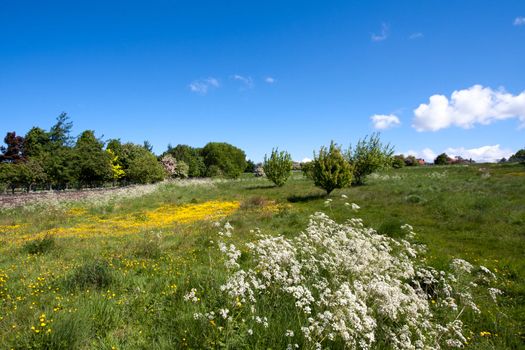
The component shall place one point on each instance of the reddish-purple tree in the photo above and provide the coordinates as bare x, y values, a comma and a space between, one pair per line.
13, 153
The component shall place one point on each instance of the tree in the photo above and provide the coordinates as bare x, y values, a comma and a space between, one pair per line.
60, 133
278, 167
411, 161
250, 166
398, 161
173, 167
14, 152
330, 169
92, 164
191, 156
442, 159
116, 168
223, 159
36, 142
145, 168
369, 156
519, 156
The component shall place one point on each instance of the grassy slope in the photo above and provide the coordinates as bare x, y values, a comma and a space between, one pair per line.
456, 211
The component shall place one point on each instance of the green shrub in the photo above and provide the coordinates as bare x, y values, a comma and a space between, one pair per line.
230, 160
40, 245
331, 170
93, 274
442, 159
369, 156
278, 167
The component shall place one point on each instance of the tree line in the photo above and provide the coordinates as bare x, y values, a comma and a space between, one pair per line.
55, 160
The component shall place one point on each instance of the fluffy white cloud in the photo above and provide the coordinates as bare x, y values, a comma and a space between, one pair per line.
465, 108
269, 80
490, 153
247, 81
427, 154
306, 160
415, 36
519, 21
202, 86
383, 35
383, 122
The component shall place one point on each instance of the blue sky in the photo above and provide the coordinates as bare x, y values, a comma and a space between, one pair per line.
291, 74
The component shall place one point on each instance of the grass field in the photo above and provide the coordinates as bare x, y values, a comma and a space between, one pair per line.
115, 274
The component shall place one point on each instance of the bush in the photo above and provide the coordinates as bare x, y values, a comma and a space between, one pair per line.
330, 169
144, 168
278, 167
94, 274
308, 170
230, 160
192, 157
174, 168
369, 156
442, 159
398, 161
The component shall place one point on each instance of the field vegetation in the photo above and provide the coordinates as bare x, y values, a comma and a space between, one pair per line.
242, 263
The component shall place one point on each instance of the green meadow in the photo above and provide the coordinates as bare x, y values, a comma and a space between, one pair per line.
127, 285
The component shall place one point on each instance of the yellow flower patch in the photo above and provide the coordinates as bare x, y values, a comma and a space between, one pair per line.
9, 228
159, 218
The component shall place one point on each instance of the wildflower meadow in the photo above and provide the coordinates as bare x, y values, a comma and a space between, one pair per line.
418, 258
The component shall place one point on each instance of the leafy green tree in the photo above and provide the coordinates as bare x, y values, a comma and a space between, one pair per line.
92, 163
398, 161
308, 170
36, 142
411, 161
368, 156
145, 168
30, 174
60, 133
442, 159
250, 167
278, 167
191, 156
519, 156
330, 169
223, 159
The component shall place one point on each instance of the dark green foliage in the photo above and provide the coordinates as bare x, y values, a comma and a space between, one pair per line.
250, 166
278, 167
308, 170
36, 142
190, 156
331, 170
369, 155
223, 159
92, 163
60, 133
142, 165
39, 245
398, 161
93, 274
442, 159
411, 161
518, 156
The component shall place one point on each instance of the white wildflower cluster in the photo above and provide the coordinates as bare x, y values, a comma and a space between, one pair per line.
385, 177
191, 296
437, 174
352, 286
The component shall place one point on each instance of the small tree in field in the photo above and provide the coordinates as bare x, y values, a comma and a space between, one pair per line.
442, 159
330, 169
278, 167
368, 156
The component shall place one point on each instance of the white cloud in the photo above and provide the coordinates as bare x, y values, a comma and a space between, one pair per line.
383, 35
202, 86
519, 21
483, 154
247, 81
269, 80
306, 160
383, 122
415, 36
427, 154
465, 108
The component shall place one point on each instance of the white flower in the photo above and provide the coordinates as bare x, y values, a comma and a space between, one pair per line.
344, 196
289, 333
355, 207
250, 331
